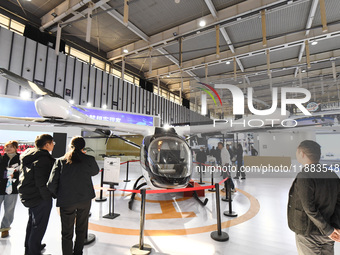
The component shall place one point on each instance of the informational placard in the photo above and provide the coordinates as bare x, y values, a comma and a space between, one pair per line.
111, 170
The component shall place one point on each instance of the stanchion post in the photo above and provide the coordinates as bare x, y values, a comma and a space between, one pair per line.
227, 183
141, 248
112, 215
201, 179
127, 172
229, 213
212, 182
101, 198
219, 235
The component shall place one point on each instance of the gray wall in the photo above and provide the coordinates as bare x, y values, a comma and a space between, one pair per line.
39, 63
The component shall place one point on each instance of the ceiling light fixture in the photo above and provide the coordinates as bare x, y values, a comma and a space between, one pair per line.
202, 23
125, 51
314, 43
228, 62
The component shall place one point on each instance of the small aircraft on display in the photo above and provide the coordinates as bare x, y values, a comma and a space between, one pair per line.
165, 156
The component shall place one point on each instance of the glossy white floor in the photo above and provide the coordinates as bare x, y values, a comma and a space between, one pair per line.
260, 228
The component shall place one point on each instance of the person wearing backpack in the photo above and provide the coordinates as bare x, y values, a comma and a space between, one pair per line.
35, 169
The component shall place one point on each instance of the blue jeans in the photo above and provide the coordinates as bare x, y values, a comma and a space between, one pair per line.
9, 205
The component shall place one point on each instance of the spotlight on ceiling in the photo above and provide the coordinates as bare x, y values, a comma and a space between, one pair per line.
202, 23
125, 51
228, 62
314, 43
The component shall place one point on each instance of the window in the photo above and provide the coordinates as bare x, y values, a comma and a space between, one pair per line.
116, 72
137, 81
128, 78
80, 55
98, 63
107, 68
4, 21
17, 27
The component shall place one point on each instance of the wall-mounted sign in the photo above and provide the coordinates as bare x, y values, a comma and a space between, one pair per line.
113, 116
313, 107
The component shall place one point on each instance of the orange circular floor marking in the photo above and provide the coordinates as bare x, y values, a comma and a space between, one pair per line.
252, 211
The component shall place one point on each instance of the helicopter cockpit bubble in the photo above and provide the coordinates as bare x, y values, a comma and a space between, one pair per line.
167, 160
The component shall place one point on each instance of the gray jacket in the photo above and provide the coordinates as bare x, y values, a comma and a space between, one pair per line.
314, 203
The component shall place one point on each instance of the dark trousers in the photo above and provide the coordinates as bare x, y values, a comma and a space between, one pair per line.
239, 171
36, 226
77, 214
314, 244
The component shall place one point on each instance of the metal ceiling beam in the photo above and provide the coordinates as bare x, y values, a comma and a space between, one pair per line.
308, 26
190, 28
278, 67
280, 43
76, 15
130, 26
176, 62
61, 11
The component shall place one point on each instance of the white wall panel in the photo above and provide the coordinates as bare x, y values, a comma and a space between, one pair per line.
16, 63
5, 51
105, 88
115, 93
40, 63
60, 77
85, 83
138, 106
51, 69
133, 98
29, 59
98, 88
91, 87
110, 91
77, 82
69, 79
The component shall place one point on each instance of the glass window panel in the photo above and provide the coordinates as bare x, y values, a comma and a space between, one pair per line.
80, 55
17, 27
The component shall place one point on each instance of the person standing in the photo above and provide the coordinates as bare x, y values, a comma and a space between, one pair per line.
201, 158
253, 151
9, 178
70, 182
226, 164
314, 203
35, 169
239, 158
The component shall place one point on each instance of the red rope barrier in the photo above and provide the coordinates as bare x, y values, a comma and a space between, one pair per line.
136, 160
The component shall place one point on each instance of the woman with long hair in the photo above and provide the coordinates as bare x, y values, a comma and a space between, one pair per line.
9, 176
71, 183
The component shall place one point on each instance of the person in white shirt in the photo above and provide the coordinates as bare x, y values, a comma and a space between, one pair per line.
225, 163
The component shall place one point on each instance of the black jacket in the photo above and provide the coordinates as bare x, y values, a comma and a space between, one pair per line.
13, 163
35, 169
314, 203
72, 183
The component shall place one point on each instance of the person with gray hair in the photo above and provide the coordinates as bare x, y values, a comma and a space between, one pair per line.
314, 203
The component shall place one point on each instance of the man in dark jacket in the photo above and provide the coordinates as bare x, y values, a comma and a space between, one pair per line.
314, 203
35, 169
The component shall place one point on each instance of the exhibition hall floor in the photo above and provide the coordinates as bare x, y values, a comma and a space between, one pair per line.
177, 225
